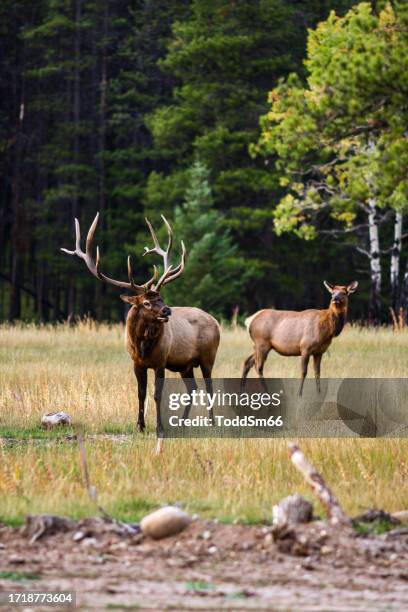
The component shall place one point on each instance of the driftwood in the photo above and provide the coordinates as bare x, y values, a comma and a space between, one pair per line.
335, 512
37, 526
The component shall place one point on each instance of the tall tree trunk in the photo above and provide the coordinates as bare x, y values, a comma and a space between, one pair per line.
395, 263
404, 293
17, 229
103, 85
77, 116
374, 313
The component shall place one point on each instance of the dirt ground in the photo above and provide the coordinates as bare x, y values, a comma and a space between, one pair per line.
212, 566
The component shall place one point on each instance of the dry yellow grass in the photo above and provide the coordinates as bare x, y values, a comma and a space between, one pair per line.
86, 372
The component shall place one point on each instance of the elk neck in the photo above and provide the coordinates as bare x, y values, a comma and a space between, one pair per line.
337, 314
142, 332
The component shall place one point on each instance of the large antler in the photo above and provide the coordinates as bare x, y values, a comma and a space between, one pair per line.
93, 266
169, 272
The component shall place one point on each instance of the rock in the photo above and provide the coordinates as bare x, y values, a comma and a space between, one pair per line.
90, 543
292, 510
53, 419
164, 522
16, 560
401, 516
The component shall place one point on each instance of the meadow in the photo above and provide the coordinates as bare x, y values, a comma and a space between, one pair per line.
85, 371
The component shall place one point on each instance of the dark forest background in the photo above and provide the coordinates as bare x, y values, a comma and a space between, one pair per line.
136, 108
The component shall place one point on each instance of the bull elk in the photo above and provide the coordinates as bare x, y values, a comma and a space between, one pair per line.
304, 333
158, 337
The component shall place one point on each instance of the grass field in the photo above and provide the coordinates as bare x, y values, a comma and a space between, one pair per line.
86, 372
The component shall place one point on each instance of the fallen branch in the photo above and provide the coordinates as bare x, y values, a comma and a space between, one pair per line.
335, 512
92, 492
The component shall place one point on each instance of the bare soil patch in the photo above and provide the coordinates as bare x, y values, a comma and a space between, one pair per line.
212, 566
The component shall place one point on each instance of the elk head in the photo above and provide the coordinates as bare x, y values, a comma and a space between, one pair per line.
340, 293
145, 298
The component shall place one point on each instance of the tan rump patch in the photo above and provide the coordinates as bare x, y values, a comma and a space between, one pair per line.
249, 320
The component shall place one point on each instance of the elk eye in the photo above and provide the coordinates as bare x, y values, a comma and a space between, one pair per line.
147, 304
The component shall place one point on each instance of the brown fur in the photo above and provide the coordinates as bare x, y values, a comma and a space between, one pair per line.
304, 333
156, 337
188, 339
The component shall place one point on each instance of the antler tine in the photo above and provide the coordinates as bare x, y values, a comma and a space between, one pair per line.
165, 254
89, 238
148, 284
178, 270
93, 266
170, 233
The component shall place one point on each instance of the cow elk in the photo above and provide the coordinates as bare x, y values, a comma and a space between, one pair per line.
304, 333
158, 337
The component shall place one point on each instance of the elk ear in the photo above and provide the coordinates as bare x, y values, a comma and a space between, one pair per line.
328, 286
352, 287
129, 299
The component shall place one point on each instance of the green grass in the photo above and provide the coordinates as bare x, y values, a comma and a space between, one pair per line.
18, 576
86, 372
200, 585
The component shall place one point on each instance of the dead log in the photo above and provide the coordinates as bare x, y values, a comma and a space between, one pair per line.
37, 526
334, 511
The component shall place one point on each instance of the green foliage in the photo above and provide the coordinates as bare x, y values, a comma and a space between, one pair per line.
105, 106
341, 138
214, 274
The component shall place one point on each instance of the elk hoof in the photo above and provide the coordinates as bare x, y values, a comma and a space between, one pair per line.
141, 427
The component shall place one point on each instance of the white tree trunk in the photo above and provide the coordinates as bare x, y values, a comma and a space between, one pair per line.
375, 263
395, 262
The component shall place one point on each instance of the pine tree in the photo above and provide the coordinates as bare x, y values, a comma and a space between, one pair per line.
226, 57
214, 274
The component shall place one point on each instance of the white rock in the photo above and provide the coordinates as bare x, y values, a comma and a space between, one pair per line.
401, 515
52, 419
164, 522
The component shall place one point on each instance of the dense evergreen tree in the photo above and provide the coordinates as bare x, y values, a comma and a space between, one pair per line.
226, 57
105, 106
340, 142
215, 275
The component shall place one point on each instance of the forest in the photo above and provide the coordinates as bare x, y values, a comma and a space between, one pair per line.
272, 134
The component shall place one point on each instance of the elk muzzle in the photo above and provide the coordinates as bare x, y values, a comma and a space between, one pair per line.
339, 298
165, 312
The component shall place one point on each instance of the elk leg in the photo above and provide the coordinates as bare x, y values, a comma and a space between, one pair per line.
316, 363
208, 386
304, 364
141, 375
260, 358
191, 385
249, 362
158, 389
